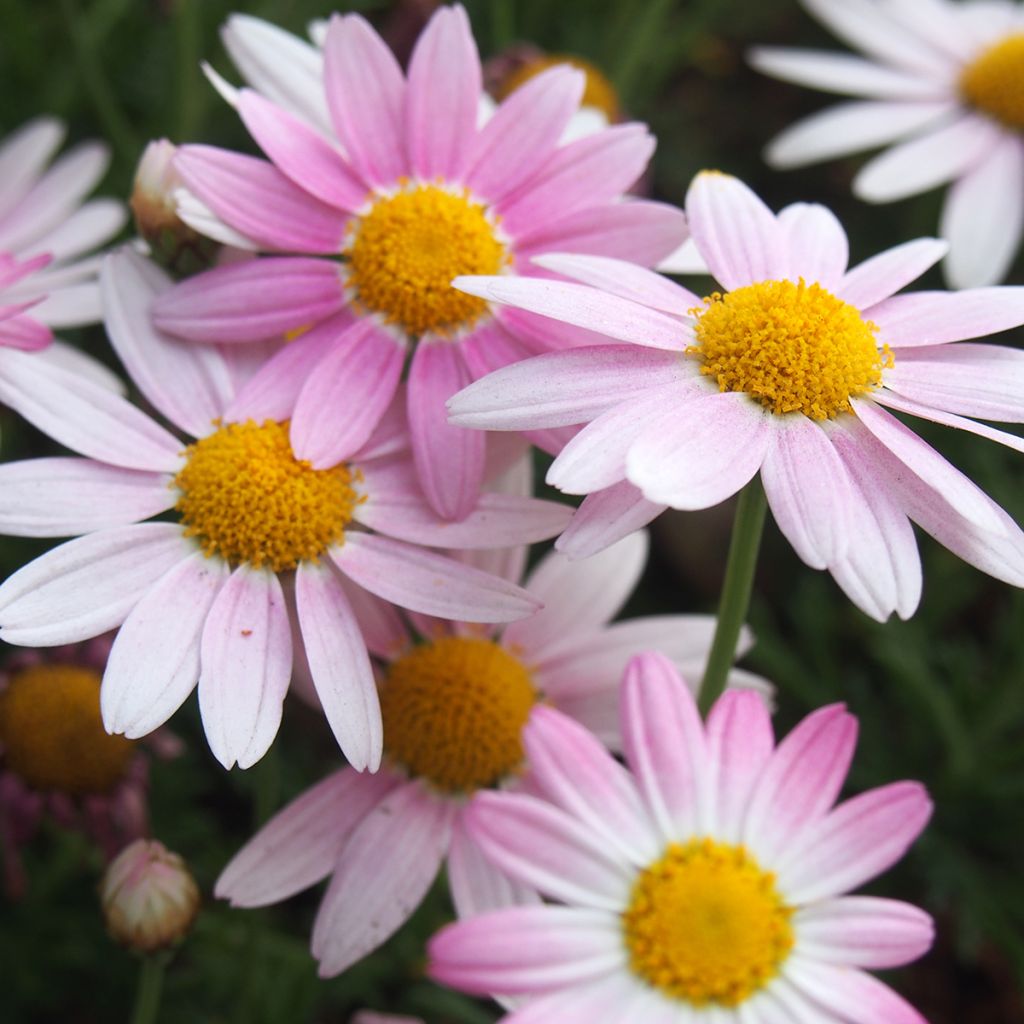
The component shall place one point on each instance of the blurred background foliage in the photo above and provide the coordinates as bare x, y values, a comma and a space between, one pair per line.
940, 698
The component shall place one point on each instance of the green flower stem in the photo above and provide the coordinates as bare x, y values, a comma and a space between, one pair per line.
739, 581
151, 982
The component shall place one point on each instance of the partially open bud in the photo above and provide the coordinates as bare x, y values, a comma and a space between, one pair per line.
149, 897
172, 242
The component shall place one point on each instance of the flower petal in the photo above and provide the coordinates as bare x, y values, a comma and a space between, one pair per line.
853, 996
883, 275
605, 517
815, 244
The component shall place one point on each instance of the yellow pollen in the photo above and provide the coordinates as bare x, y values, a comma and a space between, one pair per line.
793, 347
454, 711
52, 733
994, 82
706, 925
598, 91
405, 251
247, 498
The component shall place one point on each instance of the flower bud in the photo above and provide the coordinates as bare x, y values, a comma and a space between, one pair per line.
172, 242
149, 897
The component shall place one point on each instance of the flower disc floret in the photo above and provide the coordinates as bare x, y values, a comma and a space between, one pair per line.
794, 347
994, 82
407, 248
52, 734
454, 711
248, 499
706, 925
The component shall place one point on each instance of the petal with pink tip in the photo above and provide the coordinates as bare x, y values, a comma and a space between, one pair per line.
935, 318
254, 197
245, 666
430, 583
883, 275
604, 518
814, 244
389, 863
365, 95
154, 663
339, 664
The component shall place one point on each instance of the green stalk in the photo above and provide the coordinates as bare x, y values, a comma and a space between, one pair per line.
147, 996
735, 602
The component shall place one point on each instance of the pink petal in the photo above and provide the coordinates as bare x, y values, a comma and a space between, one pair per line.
339, 665
388, 865
87, 586
814, 244
883, 275
302, 153
935, 318
606, 1000
853, 996
491, 347
430, 583
24, 154
301, 844
154, 663
246, 665
254, 197
365, 94
344, 399
606, 517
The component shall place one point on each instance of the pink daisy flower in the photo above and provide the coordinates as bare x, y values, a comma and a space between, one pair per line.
790, 373
454, 707
260, 540
367, 222
943, 88
706, 883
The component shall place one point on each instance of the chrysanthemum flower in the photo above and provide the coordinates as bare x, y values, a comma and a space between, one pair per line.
208, 596
455, 706
706, 884
373, 219
790, 373
944, 84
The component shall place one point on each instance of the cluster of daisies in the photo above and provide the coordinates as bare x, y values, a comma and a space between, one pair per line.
341, 353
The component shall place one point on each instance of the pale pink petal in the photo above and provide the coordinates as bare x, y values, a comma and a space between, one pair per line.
561, 388
90, 226
704, 453
857, 841
85, 416
578, 597
365, 94
736, 234
379, 621
87, 586
853, 996
491, 347
344, 399
192, 211
883, 275
251, 301
528, 950
664, 743
388, 864
605, 517
814, 243
638, 230
154, 663
523, 132
606, 1000
449, 459
548, 850
983, 217
254, 197
935, 318
444, 75
430, 583
189, 384
245, 666
72, 306
24, 154
926, 161
80, 362
808, 490
864, 931
339, 664
570, 767
546, 333
302, 153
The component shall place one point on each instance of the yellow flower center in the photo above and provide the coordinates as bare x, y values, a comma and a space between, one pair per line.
598, 91
994, 82
706, 925
247, 498
793, 347
405, 251
52, 733
454, 711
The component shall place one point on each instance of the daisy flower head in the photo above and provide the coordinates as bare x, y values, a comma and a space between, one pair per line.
706, 882
455, 703
942, 85
791, 372
259, 539
365, 221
